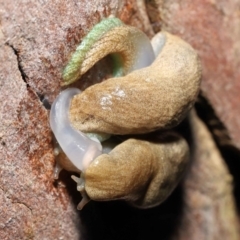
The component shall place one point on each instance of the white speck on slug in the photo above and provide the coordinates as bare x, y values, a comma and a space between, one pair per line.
148, 79
119, 92
78, 147
105, 102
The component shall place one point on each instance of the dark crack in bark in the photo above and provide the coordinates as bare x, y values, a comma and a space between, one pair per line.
216, 127
44, 101
24, 76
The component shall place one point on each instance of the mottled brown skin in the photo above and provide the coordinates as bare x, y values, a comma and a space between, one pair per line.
155, 97
142, 172
104, 46
110, 42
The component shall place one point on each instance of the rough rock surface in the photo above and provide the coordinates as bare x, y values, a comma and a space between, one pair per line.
30, 204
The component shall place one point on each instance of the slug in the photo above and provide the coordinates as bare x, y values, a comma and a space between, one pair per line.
144, 173
127, 56
129, 48
158, 96
154, 86
74, 144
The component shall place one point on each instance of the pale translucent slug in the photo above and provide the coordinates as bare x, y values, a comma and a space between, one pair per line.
156, 93
75, 144
72, 144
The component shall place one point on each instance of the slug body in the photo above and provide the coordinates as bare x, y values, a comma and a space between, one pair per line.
129, 47
135, 53
158, 96
75, 144
144, 173
155, 84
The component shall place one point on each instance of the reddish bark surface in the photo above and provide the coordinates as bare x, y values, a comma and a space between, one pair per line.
30, 204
